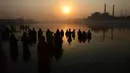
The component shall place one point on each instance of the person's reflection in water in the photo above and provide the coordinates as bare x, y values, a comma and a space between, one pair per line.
13, 47
58, 42
84, 36
73, 34
25, 42
69, 40
47, 34
62, 33
67, 33
89, 36
44, 57
104, 35
2, 62
34, 36
58, 53
55, 39
30, 34
79, 33
2, 57
112, 33
70, 33
26, 27
89, 39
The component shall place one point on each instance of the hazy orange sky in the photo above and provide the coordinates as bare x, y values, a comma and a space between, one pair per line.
52, 9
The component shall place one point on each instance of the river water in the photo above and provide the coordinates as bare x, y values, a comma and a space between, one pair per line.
108, 51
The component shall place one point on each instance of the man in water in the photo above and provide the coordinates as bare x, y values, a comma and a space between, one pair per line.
40, 34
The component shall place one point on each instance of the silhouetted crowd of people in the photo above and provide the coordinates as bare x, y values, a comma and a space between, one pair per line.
24, 27
83, 36
47, 48
32, 35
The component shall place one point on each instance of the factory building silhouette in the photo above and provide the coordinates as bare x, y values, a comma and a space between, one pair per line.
106, 16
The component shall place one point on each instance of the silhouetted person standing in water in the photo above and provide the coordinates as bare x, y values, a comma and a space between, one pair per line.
84, 36
55, 38
73, 34
69, 36
58, 34
58, 44
49, 36
47, 32
79, 35
58, 39
89, 36
39, 34
51, 48
13, 47
62, 33
58, 51
67, 33
25, 42
44, 57
69, 39
30, 34
34, 36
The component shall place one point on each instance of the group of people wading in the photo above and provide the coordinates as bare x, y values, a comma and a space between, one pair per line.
82, 36
47, 48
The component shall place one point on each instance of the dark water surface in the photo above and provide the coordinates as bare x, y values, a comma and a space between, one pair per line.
107, 52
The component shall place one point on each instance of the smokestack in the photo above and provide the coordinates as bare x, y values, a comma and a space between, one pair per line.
113, 13
105, 8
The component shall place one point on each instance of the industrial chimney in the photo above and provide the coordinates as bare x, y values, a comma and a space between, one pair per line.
113, 12
105, 8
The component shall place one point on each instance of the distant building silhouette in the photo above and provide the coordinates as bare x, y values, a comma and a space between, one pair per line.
97, 16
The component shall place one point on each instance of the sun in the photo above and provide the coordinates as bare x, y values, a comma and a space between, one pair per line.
66, 9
